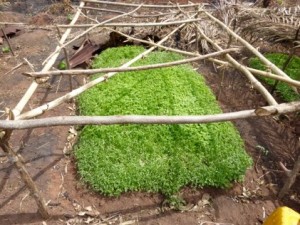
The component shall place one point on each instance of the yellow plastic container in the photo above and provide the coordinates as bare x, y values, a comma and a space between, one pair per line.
283, 216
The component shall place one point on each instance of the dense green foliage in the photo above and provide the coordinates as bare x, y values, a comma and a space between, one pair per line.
155, 158
293, 70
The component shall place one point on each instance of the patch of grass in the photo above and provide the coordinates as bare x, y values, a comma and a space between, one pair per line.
293, 70
6, 49
155, 158
62, 65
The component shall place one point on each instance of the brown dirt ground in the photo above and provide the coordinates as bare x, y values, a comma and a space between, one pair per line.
69, 200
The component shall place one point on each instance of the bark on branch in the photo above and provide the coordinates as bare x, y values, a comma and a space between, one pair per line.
139, 119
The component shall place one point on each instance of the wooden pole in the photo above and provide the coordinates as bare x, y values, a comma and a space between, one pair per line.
4, 142
142, 119
144, 6
67, 60
152, 24
8, 42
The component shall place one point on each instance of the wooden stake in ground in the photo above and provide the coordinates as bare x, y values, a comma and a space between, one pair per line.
136, 68
19, 164
292, 175
144, 6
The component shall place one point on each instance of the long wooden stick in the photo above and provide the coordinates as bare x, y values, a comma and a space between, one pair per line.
104, 10
144, 6
262, 58
32, 88
137, 68
19, 164
141, 119
152, 24
11, 23
40, 110
133, 16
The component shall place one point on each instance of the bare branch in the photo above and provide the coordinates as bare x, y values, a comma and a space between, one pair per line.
144, 6
139, 119
130, 24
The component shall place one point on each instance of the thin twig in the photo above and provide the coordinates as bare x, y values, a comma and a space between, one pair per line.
144, 6
21, 202
8, 42
15, 68
29, 64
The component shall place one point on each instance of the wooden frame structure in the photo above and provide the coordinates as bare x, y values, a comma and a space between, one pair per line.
189, 17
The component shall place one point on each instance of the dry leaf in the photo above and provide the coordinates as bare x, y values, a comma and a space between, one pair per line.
89, 220
88, 208
72, 130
